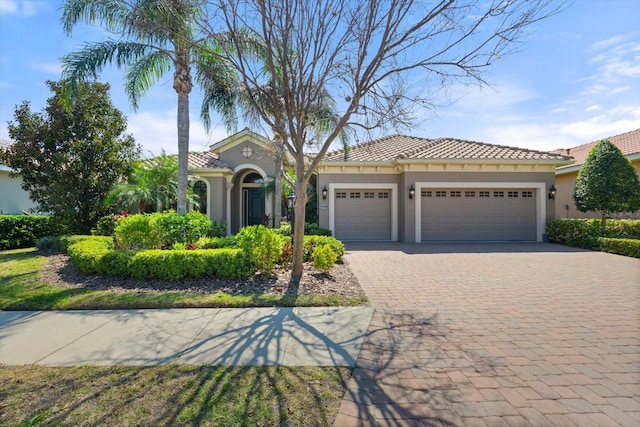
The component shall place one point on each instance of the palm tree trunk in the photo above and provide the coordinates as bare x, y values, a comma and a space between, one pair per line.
182, 84
183, 151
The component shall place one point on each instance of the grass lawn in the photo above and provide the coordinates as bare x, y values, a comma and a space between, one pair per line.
21, 289
170, 395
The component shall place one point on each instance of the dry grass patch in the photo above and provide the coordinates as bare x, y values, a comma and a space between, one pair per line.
170, 395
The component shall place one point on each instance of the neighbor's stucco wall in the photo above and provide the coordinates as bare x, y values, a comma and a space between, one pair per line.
566, 207
13, 199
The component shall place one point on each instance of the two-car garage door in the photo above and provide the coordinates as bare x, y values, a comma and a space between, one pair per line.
478, 214
363, 214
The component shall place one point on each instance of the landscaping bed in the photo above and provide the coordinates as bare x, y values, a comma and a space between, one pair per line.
59, 271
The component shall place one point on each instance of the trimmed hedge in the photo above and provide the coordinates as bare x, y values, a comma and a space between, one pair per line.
23, 231
622, 235
627, 247
61, 243
574, 232
97, 256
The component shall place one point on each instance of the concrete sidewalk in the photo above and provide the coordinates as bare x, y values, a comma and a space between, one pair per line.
315, 336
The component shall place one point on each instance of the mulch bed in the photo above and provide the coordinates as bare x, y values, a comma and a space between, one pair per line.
59, 271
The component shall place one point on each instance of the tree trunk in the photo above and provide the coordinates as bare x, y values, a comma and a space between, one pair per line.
183, 151
182, 84
277, 203
298, 236
603, 224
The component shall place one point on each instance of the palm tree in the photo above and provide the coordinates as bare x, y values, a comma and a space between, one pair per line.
152, 186
153, 38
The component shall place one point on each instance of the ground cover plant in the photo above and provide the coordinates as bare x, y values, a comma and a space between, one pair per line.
170, 395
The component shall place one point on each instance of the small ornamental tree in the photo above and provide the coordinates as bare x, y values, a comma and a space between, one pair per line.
607, 183
69, 159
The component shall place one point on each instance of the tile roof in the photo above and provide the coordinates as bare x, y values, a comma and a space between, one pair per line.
206, 159
394, 147
628, 143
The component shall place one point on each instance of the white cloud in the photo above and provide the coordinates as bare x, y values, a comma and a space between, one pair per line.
592, 108
23, 7
548, 134
49, 67
156, 131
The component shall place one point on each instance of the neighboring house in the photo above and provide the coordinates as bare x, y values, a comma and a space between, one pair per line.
13, 199
566, 175
394, 188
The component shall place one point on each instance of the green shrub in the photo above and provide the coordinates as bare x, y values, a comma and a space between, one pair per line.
160, 230
138, 231
574, 232
627, 247
95, 256
262, 245
585, 232
187, 228
23, 231
218, 229
311, 229
61, 243
324, 258
284, 230
86, 254
217, 242
310, 243
628, 228
106, 226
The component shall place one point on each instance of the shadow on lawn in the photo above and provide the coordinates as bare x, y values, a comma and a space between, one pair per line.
206, 387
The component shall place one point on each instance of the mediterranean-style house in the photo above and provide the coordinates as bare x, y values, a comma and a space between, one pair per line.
566, 175
13, 199
396, 188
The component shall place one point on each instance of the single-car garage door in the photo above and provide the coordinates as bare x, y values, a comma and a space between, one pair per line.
478, 214
363, 214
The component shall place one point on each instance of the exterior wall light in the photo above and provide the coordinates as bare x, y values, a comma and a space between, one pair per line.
412, 192
324, 192
552, 192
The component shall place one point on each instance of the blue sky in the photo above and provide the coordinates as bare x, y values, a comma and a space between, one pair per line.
576, 80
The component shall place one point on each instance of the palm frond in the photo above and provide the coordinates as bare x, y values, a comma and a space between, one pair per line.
144, 73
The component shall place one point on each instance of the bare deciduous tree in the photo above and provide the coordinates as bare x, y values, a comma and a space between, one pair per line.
376, 58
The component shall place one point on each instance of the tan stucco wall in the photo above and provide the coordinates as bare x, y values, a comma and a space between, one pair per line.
566, 207
261, 157
13, 199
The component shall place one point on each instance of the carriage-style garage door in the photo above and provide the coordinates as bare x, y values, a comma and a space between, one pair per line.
478, 214
363, 214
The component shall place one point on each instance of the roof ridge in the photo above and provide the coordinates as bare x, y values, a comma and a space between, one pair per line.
575, 147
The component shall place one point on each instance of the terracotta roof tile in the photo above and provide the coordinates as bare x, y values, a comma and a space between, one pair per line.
628, 143
206, 159
394, 147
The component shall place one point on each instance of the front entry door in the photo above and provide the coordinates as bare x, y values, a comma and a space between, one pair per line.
253, 206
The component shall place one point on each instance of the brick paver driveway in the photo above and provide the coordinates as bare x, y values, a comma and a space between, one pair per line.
496, 334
